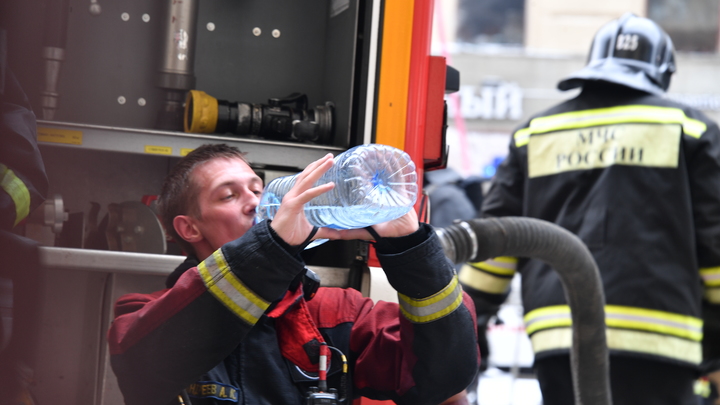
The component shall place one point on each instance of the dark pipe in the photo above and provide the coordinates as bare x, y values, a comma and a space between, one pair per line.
54, 37
481, 239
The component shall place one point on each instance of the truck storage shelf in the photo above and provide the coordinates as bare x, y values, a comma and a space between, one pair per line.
148, 264
171, 143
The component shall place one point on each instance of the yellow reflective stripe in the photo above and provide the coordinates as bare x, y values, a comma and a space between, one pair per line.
712, 295
711, 276
504, 265
551, 339
547, 317
651, 343
627, 340
17, 190
229, 290
649, 320
481, 281
434, 307
522, 136
612, 115
693, 127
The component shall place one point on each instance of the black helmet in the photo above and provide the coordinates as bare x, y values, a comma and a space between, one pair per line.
631, 51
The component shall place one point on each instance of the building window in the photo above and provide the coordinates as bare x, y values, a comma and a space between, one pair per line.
491, 21
692, 24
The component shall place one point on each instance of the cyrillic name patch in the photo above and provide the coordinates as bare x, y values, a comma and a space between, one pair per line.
649, 145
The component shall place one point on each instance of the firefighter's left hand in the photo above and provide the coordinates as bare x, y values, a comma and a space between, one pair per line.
403, 226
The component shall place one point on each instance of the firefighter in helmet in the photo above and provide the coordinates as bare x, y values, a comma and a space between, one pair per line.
637, 177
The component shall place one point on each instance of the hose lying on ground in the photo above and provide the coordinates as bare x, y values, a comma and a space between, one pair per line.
481, 239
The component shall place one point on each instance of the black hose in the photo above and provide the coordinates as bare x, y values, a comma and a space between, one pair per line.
481, 239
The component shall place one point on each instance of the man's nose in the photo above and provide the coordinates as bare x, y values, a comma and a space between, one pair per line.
252, 200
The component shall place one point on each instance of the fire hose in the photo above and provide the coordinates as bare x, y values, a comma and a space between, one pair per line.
481, 239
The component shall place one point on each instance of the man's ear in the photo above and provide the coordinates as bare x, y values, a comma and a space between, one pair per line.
185, 227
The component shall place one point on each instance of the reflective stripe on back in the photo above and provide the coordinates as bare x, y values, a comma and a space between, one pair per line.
627, 340
608, 116
661, 322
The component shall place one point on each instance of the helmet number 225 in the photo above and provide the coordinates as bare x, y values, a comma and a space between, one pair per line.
627, 42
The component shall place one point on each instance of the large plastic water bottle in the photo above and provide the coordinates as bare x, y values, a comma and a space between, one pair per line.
373, 183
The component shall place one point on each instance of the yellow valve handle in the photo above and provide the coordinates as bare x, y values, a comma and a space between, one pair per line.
201, 112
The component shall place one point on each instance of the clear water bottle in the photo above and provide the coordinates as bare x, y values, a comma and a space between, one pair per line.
373, 183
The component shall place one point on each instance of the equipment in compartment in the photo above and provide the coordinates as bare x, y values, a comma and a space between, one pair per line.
286, 119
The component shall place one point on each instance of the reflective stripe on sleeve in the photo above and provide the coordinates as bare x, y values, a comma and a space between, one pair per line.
491, 276
229, 290
627, 340
17, 190
710, 276
434, 307
504, 265
712, 295
711, 280
612, 115
641, 319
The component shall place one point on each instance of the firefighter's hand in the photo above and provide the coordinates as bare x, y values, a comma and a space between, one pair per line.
403, 226
290, 222
292, 226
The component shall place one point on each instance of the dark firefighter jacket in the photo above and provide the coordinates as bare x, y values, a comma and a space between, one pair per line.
23, 187
23, 182
637, 178
222, 333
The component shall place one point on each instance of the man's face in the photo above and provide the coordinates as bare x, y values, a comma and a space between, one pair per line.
229, 192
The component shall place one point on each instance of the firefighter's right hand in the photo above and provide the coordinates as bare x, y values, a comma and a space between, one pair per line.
290, 222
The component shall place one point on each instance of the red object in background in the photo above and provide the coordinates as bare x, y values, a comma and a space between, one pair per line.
434, 153
367, 401
148, 199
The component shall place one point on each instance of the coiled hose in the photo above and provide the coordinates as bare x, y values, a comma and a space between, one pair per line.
481, 239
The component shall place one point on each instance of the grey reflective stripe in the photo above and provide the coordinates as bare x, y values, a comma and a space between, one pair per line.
666, 323
548, 321
434, 307
230, 290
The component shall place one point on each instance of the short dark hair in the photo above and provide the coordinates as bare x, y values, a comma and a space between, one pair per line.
179, 193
